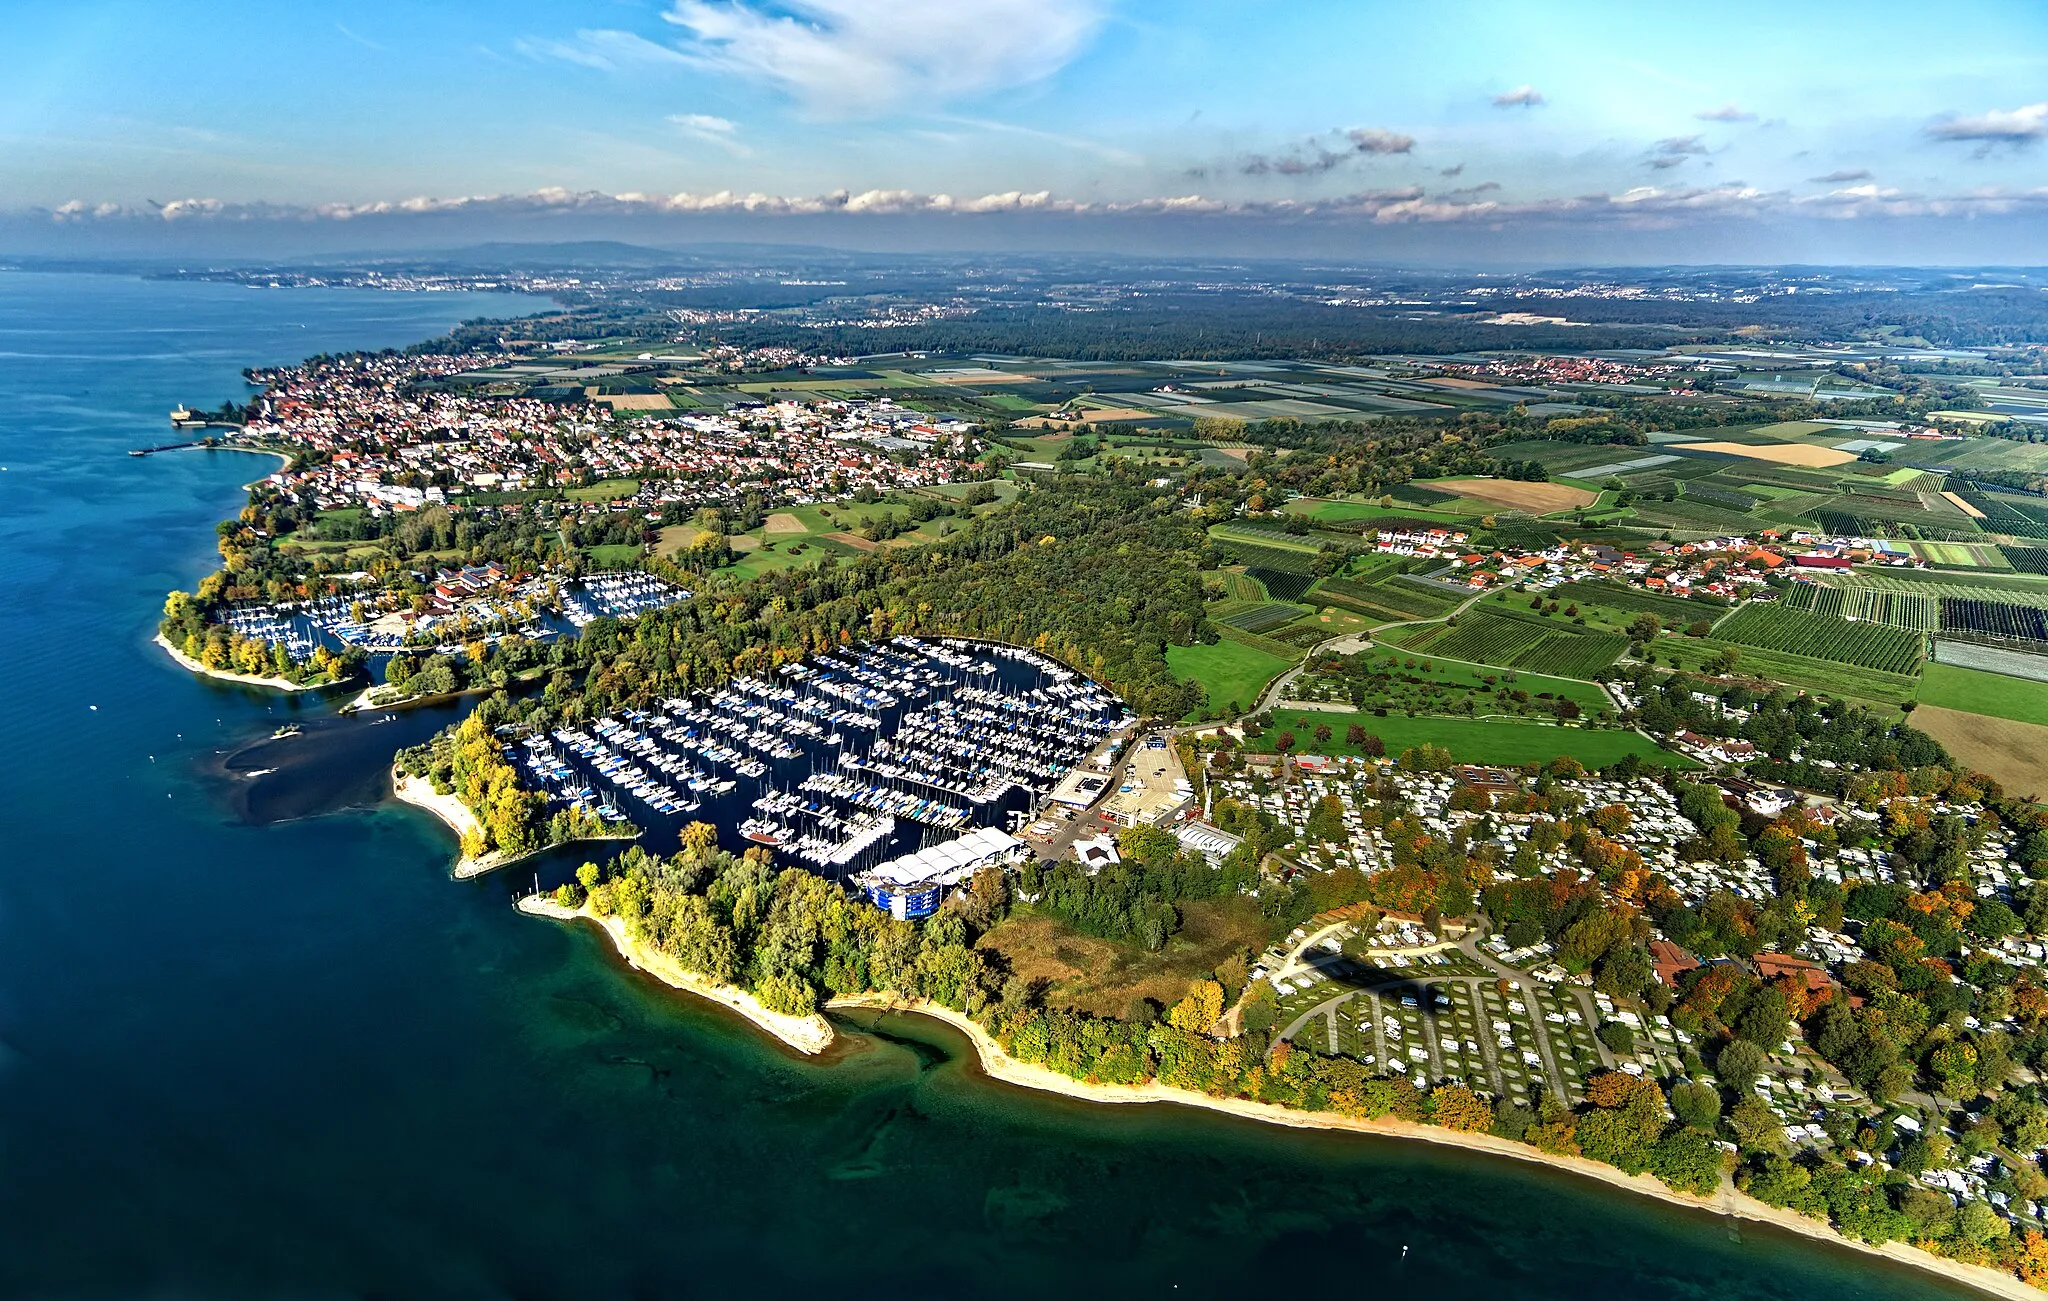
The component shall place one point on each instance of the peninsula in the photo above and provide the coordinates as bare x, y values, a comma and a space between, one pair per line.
1200, 766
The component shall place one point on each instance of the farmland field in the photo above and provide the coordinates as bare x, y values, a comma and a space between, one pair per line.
1389, 596
1775, 627
1243, 587
1536, 498
1615, 596
1483, 740
1512, 641
1998, 619
1823, 677
1914, 611
2004, 661
2013, 588
1284, 584
1258, 555
1272, 539
1264, 617
2015, 753
1963, 555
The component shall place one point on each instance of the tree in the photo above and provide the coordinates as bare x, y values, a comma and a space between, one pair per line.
1199, 1010
1457, 1107
1697, 1104
1755, 1126
1739, 1064
1977, 1222
1687, 1160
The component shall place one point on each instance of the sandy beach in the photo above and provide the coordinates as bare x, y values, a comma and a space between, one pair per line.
809, 1035
999, 1065
812, 1035
247, 679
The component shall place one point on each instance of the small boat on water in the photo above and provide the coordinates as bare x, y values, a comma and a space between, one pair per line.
287, 730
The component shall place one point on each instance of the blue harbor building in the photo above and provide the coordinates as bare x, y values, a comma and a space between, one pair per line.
916, 884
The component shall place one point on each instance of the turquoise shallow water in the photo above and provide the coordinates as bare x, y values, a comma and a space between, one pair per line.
296, 1059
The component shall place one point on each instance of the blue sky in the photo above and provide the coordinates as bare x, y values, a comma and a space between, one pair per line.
1456, 129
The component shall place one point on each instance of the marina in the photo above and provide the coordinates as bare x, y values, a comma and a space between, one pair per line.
912, 759
477, 602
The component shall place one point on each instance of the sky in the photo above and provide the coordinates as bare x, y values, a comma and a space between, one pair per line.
1473, 131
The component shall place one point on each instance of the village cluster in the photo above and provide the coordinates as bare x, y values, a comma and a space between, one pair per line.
1725, 567
384, 443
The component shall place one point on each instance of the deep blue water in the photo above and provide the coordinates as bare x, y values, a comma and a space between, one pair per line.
242, 1056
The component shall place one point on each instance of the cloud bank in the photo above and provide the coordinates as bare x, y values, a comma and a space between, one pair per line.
1648, 206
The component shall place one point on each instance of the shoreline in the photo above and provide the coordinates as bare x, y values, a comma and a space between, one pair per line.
455, 815
284, 457
361, 700
809, 1035
246, 679
999, 1065
803, 1035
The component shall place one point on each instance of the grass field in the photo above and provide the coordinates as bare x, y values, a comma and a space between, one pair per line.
1470, 740
1229, 671
604, 490
612, 556
1994, 695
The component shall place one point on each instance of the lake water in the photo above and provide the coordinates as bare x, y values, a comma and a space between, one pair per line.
268, 1051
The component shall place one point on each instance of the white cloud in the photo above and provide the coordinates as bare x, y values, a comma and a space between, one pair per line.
1520, 97
852, 57
1726, 113
605, 49
711, 130
1643, 206
2011, 127
1842, 176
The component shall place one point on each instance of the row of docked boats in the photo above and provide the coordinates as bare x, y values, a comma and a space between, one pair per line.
844, 749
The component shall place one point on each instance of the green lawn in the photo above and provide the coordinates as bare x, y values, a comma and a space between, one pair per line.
604, 490
1228, 671
1468, 740
612, 556
1993, 695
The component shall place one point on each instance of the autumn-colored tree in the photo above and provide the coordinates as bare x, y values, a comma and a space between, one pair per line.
1199, 1010
1457, 1107
2033, 1262
699, 838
